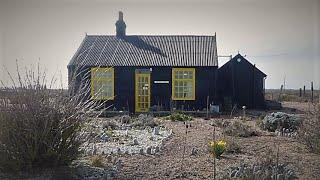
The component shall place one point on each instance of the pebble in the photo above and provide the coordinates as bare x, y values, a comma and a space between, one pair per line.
135, 142
126, 140
141, 151
233, 173
156, 130
157, 149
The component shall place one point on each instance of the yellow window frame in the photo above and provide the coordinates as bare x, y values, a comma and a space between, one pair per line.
176, 80
102, 79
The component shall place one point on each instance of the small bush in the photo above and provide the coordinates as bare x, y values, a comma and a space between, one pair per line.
97, 161
240, 129
111, 124
39, 126
180, 117
143, 121
109, 133
266, 167
280, 120
217, 148
232, 146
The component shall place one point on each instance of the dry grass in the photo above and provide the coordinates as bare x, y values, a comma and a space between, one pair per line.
309, 133
39, 125
97, 161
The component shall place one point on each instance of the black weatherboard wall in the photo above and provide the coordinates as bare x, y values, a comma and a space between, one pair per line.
241, 83
124, 83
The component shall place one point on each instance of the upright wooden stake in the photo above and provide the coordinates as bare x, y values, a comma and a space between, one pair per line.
300, 92
277, 162
208, 107
214, 158
280, 92
184, 149
312, 91
304, 91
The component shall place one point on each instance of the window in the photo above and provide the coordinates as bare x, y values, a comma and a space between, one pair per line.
183, 84
102, 83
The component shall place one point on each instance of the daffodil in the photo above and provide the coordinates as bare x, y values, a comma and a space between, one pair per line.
217, 148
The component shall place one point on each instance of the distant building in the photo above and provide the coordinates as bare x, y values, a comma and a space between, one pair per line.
241, 83
140, 73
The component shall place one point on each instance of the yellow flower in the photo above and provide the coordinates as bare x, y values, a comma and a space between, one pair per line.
222, 143
216, 148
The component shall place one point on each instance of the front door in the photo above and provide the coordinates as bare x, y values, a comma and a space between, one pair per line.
142, 90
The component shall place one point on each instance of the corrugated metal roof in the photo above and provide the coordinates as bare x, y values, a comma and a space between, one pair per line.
103, 50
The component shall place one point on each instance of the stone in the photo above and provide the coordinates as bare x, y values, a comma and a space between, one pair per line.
258, 172
156, 130
125, 119
238, 174
135, 142
194, 151
104, 137
256, 168
157, 149
149, 150
94, 149
109, 158
118, 164
141, 151
233, 174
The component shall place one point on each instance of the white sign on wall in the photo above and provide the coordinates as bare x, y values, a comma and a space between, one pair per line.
161, 82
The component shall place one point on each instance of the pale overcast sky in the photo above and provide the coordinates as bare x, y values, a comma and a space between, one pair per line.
280, 36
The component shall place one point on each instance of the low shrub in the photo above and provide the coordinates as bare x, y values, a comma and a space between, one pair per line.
217, 148
111, 124
180, 117
232, 146
39, 126
280, 120
143, 121
267, 166
239, 129
97, 161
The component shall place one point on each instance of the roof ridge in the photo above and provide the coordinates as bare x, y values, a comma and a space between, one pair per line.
181, 35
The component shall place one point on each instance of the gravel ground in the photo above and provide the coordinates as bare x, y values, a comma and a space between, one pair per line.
171, 163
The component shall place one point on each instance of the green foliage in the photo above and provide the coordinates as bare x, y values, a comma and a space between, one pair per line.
109, 133
180, 117
217, 148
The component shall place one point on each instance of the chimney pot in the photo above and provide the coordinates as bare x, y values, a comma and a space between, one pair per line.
120, 26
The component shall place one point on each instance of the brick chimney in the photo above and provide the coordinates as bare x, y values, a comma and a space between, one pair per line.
120, 26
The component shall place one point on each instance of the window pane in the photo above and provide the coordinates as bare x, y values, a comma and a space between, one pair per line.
183, 83
102, 83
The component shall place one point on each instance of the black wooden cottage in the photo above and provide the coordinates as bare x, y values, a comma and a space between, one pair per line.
241, 83
140, 73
